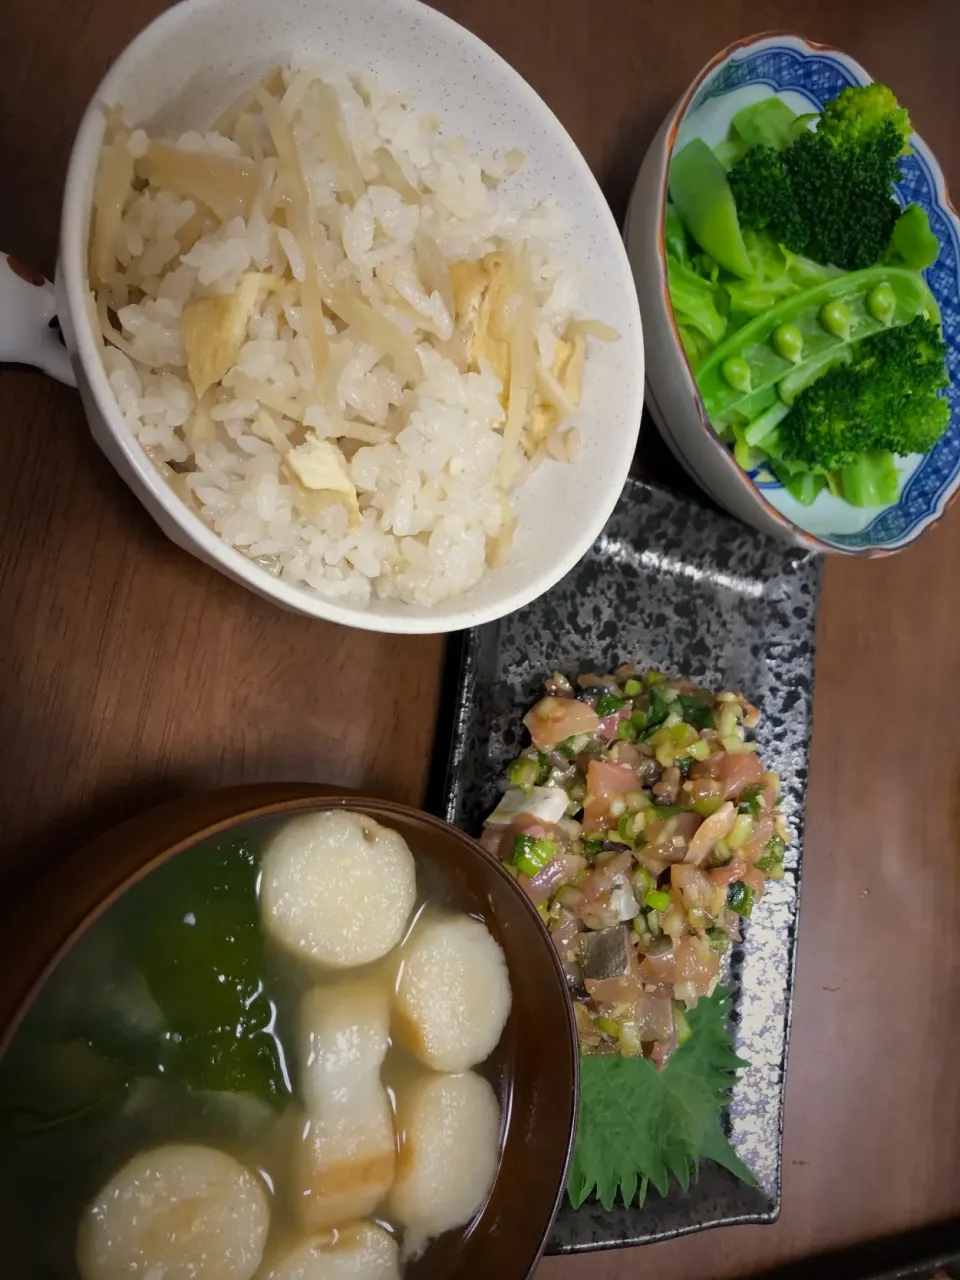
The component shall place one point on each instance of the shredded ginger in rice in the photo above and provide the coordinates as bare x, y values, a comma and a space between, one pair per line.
334, 335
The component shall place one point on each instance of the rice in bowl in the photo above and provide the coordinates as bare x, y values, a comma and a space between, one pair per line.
335, 336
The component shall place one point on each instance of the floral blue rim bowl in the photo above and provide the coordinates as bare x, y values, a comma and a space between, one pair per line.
806, 75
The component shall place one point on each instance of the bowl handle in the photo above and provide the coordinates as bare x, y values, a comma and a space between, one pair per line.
29, 332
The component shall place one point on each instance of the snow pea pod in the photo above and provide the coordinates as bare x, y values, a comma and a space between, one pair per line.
701, 193
754, 343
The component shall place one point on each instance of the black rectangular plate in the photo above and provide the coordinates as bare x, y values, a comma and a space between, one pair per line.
675, 585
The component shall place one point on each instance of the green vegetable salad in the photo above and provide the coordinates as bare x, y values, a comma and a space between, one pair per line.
796, 285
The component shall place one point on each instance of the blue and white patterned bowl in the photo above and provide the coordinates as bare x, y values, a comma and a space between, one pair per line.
807, 76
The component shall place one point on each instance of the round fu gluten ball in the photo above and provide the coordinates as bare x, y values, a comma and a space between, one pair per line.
453, 994
176, 1211
362, 1251
337, 888
449, 1130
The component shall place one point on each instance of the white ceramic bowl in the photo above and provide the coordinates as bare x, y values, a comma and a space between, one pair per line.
193, 60
807, 75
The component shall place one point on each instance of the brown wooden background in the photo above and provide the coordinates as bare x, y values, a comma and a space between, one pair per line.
129, 672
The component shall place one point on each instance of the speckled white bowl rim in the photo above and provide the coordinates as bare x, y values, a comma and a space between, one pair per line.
604, 243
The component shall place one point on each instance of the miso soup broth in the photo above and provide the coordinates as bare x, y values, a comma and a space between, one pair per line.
195, 1016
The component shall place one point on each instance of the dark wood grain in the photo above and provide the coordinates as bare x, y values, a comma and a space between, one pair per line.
129, 672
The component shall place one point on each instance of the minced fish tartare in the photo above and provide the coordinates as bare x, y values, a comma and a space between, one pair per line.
643, 825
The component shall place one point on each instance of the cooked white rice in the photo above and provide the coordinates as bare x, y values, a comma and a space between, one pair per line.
429, 456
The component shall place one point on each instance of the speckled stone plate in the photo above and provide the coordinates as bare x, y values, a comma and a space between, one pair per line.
675, 585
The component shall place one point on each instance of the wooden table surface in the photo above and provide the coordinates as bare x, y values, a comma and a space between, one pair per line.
130, 673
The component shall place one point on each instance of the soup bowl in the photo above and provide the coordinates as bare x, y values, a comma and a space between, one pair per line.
533, 1070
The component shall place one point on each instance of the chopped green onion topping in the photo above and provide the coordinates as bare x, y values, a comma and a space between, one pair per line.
656, 899
532, 853
635, 800
720, 854
751, 799
665, 811
740, 898
653, 676
673, 740
729, 719
643, 880
659, 710
626, 731
772, 854
681, 1026
740, 832
718, 940
696, 711
632, 687
608, 703
705, 805
630, 1044
523, 773
608, 1026
571, 747
631, 828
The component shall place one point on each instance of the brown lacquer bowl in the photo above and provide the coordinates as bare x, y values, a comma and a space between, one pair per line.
534, 1068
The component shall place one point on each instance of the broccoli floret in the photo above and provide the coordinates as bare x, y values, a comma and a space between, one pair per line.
828, 195
825, 427
856, 114
887, 399
764, 196
908, 358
